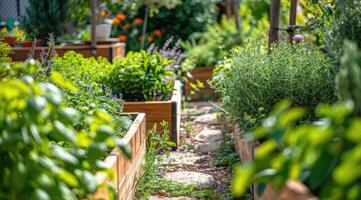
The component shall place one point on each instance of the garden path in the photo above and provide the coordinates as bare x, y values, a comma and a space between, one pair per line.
203, 133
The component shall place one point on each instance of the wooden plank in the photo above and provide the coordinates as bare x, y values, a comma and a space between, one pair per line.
158, 111
126, 171
109, 51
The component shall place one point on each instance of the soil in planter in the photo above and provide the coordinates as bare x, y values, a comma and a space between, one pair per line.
201, 168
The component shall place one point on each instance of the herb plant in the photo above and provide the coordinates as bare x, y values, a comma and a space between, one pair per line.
323, 155
42, 156
87, 74
344, 23
251, 81
348, 79
206, 48
141, 77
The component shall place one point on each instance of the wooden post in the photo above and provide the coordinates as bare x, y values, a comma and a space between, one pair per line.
93, 27
292, 21
274, 22
144, 29
236, 14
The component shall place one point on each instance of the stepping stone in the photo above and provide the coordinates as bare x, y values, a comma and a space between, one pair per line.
170, 198
208, 135
210, 118
209, 147
180, 158
200, 180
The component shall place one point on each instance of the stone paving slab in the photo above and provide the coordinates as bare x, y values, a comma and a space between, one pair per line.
200, 180
170, 198
180, 158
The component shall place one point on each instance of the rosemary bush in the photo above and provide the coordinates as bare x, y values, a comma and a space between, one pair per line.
251, 81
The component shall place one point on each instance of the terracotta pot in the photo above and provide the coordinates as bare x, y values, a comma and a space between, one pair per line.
10, 40
29, 43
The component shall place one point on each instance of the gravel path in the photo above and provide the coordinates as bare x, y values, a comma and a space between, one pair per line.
202, 132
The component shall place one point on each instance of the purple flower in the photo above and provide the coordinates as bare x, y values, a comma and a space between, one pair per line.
297, 38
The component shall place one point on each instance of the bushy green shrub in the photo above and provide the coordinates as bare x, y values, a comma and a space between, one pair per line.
344, 24
42, 156
348, 79
44, 17
252, 81
206, 48
186, 18
88, 75
5, 50
323, 155
140, 76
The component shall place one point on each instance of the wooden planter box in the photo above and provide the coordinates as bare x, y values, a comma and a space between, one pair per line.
109, 50
294, 190
126, 171
245, 149
158, 111
202, 74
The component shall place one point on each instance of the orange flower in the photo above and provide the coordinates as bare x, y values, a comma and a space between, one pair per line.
138, 20
121, 16
116, 21
127, 26
122, 38
157, 33
140, 38
149, 38
104, 13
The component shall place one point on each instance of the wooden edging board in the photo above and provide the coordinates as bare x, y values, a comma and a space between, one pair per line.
109, 51
126, 171
158, 111
245, 149
293, 189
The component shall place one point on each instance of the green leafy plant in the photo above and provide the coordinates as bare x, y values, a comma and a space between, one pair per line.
140, 76
42, 155
324, 155
348, 79
44, 17
343, 23
87, 75
251, 81
5, 50
206, 48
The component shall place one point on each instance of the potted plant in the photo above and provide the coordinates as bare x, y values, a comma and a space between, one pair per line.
12, 37
103, 26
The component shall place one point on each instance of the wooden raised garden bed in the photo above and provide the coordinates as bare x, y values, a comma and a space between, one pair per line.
126, 171
158, 111
294, 190
109, 50
245, 149
203, 74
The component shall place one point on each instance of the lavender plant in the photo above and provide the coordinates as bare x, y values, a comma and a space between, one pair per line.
180, 65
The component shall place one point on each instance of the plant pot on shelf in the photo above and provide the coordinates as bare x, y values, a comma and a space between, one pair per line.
202, 74
158, 111
29, 43
102, 31
10, 40
125, 171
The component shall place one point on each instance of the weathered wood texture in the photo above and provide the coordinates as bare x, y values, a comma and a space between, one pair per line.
126, 171
158, 111
109, 50
203, 74
245, 149
293, 190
